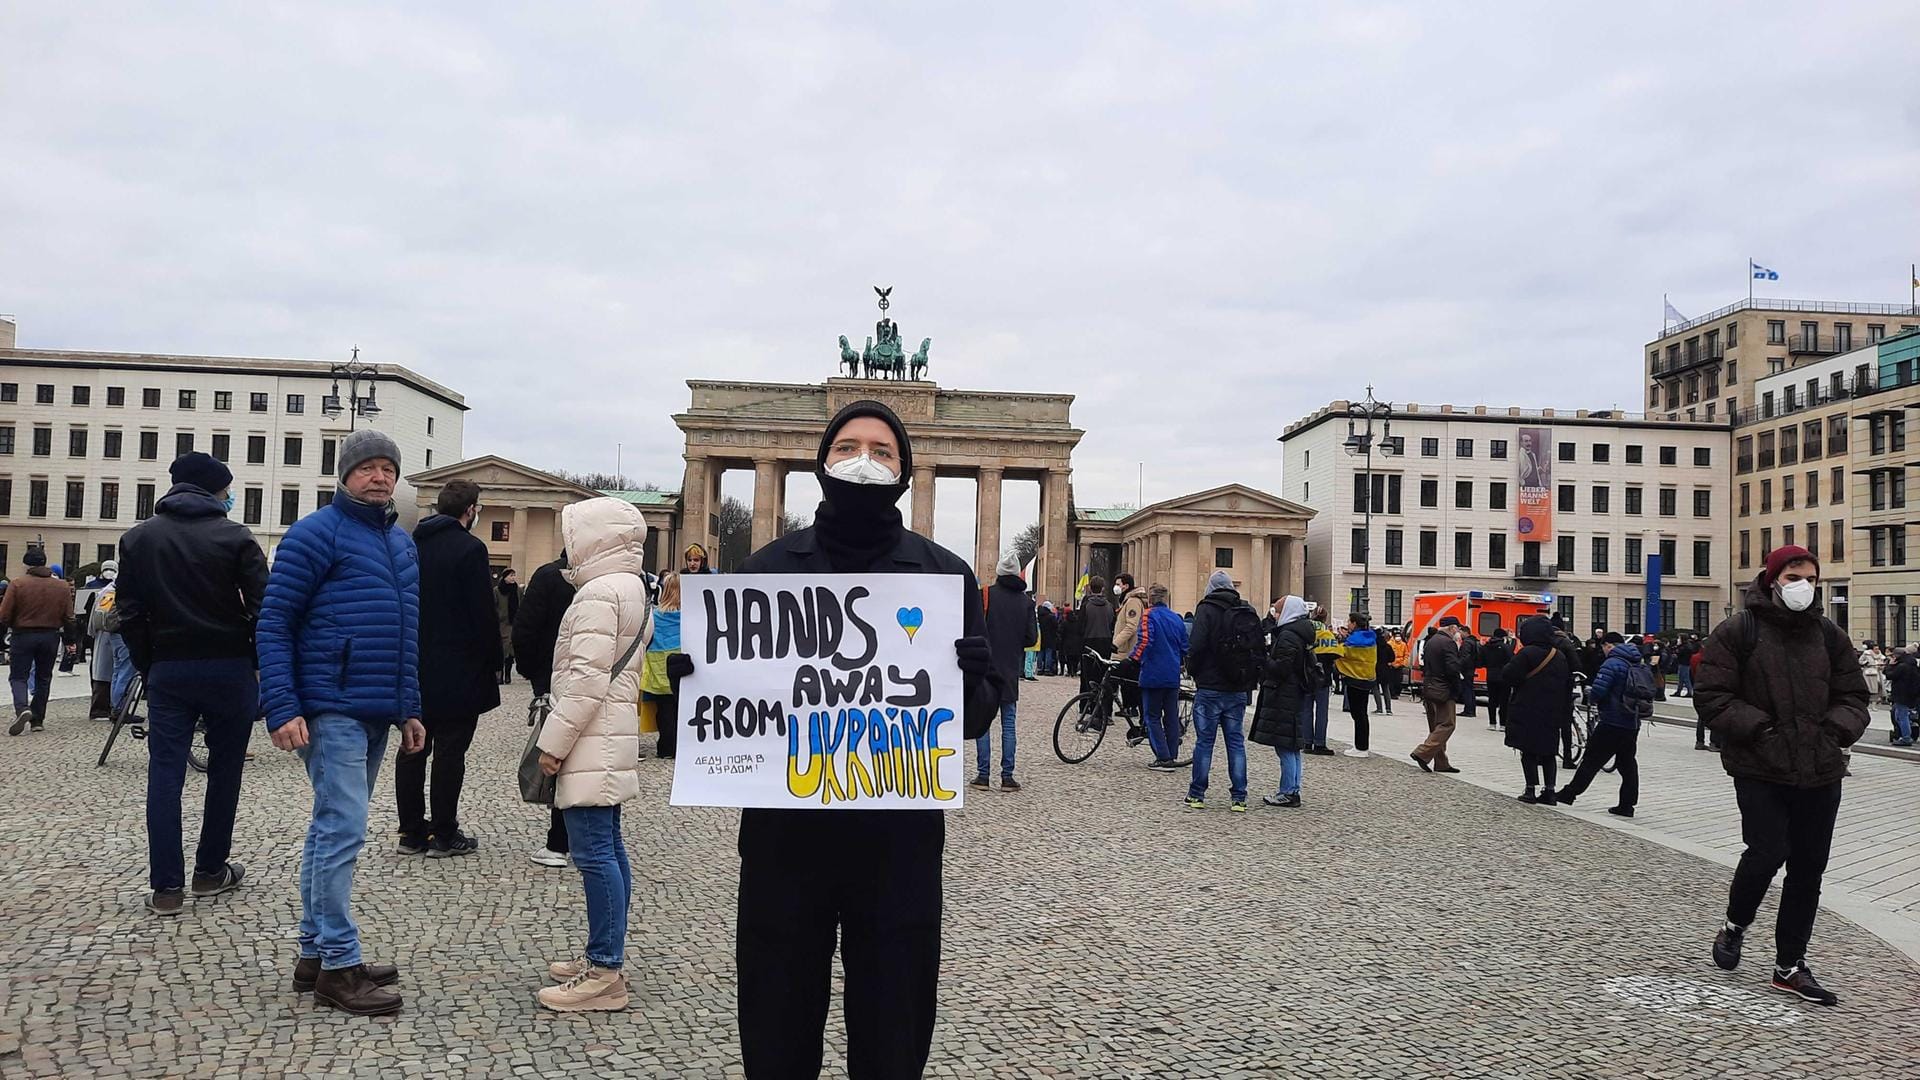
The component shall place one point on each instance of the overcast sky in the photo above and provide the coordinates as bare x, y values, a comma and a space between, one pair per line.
1204, 221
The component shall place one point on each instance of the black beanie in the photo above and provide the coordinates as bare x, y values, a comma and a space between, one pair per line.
203, 471
873, 409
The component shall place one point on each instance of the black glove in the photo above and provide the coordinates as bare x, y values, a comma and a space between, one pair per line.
975, 658
679, 665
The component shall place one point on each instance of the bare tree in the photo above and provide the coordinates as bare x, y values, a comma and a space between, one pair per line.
736, 534
600, 481
1027, 542
792, 522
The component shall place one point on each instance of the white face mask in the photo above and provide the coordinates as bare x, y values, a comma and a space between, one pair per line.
862, 470
1796, 595
1117, 590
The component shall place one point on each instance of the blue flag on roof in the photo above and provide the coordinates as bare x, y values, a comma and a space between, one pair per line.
1761, 273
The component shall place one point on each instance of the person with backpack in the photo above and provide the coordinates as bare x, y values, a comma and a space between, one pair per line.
1358, 666
1780, 683
1439, 683
1159, 648
1011, 629
1903, 682
1326, 653
1623, 690
1495, 656
1469, 664
1284, 717
1096, 617
1538, 683
1224, 656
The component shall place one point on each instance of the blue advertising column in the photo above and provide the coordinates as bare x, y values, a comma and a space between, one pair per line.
1653, 595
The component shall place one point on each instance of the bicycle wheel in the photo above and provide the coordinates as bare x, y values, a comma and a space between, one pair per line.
197, 750
1079, 728
1579, 743
1186, 713
122, 716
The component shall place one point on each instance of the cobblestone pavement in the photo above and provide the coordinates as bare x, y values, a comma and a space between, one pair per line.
1397, 926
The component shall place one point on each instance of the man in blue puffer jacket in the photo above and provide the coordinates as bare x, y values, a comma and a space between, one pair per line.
1159, 647
1623, 693
339, 653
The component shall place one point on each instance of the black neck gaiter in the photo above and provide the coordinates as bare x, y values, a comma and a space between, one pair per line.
857, 523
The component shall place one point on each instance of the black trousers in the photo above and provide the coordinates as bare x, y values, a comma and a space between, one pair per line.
1130, 690
667, 713
874, 877
1622, 746
32, 660
557, 833
447, 742
1539, 769
1090, 674
1497, 698
1782, 824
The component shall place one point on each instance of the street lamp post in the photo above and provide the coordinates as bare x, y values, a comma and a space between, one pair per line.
355, 406
1361, 441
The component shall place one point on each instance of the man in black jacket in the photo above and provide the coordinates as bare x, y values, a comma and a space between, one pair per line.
871, 876
536, 629
1010, 630
459, 671
1439, 682
188, 595
1220, 694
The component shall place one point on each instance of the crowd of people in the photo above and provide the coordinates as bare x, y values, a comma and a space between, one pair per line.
360, 629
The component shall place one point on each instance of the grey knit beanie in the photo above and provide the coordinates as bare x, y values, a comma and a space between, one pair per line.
364, 445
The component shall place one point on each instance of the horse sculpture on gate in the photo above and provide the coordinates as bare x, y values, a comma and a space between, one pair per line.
849, 357
883, 357
918, 364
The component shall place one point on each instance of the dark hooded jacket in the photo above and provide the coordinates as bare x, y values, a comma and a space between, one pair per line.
1286, 680
536, 626
1904, 677
459, 632
192, 581
1439, 667
1611, 686
1542, 699
1010, 629
1210, 623
1096, 617
1784, 690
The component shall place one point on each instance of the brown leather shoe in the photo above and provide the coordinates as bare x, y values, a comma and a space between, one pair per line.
353, 990
307, 971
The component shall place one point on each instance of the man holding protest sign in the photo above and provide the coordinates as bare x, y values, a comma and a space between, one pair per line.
873, 876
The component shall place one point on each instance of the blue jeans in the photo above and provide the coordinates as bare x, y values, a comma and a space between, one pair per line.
343, 758
1903, 720
1686, 678
1160, 714
123, 671
1049, 662
1290, 759
601, 854
179, 693
1213, 710
1322, 698
983, 746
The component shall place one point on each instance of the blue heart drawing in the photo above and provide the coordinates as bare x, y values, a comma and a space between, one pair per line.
910, 619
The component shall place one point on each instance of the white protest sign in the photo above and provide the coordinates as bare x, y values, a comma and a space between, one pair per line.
821, 691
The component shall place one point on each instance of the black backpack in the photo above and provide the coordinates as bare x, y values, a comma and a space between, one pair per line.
1242, 646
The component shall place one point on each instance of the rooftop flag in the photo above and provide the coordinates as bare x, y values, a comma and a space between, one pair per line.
1761, 273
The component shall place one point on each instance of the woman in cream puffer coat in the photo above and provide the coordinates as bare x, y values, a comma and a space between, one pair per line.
591, 739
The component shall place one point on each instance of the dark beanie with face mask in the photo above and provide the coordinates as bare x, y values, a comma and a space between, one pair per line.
857, 523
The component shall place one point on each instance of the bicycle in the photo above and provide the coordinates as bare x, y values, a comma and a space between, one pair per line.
127, 715
1083, 720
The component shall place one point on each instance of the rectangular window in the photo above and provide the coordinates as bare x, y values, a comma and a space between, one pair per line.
149, 446
1786, 493
1701, 616
110, 443
1393, 489
1563, 606
1810, 440
1746, 500
1776, 331
429, 459
1813, 488
43, 442
109, 500
1669, 558
222, 447
1669, 499
1429, 547
1223, 558
9, 393
1702, 502
1396, 544
77, 442
1669, 455
1703, 558
36, 498
1497, 449
1602, 499
1746, 552
256, 402
1566, 451
292, 452
1633, 555
116, 397
1766, 496
187, 399
1634, 496
1463, 550
142, 502
1463, 494
1430, 493
329, 446
1837, 485
1496, 495
289, 506
250, 506
223, 401
1599, 606
182, 443
1703, 456
43, 394
1743, 455
1359, 542
1835, 528
1790, 445
296, 403
82, 395
1766, 544
76, 499
1566, 498
1600, 555
1632, 605
1395, 611
1497, 550
429, 426
1602, 452
150, 397
256, 449
1359, 492
1766, 450
6, 439
1813, 538
1635, 454
1463, 448
1667, 608
1565, 560
1429, 447
322, 498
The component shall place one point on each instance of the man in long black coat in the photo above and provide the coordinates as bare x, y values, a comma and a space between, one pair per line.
536, 629
871, 877
460, 661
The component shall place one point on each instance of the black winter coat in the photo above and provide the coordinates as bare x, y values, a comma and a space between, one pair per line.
459, 629
1439, 668
1073, 636
191, 582
1096, 615
1784, 690
1210, 624
1286, 680
1049, 628
1904, 677
1010, 629
1494, 656
1542, 703
536, 626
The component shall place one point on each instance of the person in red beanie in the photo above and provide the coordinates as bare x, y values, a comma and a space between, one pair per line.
1781, 685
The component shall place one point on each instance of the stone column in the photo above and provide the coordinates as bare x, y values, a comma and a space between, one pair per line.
766, 499
1297, 566
1203, 559
1061, 569
520, 549
923, 500
1257, 583
1162, 559
694, 508
987, 522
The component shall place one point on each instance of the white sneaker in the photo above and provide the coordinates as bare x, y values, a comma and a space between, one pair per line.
1351, 752
544, 857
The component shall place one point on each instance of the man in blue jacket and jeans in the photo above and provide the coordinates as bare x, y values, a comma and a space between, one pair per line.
1623, 690
339, 666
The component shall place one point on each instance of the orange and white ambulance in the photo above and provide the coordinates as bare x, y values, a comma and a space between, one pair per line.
1479, 610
